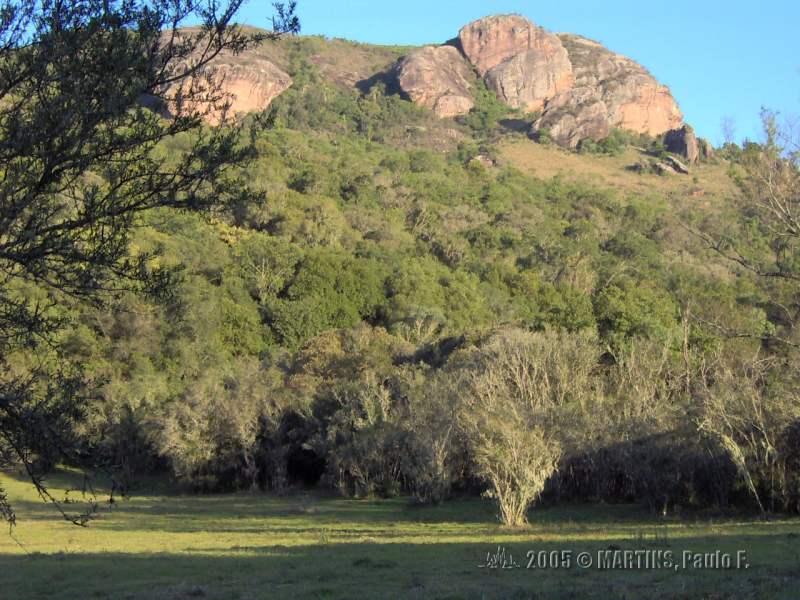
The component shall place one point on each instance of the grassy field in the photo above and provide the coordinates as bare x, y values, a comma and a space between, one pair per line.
167, 546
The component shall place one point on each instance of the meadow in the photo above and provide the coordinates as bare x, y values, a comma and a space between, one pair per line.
161, 544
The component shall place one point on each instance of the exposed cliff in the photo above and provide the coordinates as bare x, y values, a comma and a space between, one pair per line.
438, 78
577, 88
249, 83
610, 91
522, 63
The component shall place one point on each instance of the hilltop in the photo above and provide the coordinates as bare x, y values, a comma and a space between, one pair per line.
570, 88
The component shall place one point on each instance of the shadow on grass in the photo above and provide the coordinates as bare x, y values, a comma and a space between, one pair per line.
306, 546
387, 570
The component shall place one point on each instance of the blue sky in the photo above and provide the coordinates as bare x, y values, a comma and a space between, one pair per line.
720, 58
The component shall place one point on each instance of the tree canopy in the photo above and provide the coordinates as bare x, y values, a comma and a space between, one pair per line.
79, 139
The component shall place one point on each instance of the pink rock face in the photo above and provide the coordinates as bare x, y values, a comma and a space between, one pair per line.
528, 80
438, 78
492, 40
250, 84
523, 64
252, 87
635, 100
651, 109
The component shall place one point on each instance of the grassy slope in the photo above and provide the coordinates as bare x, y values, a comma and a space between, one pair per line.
305, 546
712, 183
340, 61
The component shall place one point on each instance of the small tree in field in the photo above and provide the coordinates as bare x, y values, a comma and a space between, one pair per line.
518, 389
516, 459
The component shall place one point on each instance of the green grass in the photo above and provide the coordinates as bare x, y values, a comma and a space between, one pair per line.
311, 546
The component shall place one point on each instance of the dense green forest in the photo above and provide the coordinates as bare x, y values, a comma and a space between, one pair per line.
390, 309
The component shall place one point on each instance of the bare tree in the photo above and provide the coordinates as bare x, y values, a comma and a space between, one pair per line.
520, 388
766, 239
748, 414
728, 128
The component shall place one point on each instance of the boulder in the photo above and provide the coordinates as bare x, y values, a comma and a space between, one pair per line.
677, 165
662, 168
522, 63
438, 78
706, 149
683, 142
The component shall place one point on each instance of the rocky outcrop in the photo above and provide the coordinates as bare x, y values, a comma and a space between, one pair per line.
582, 89
609, 88
635, 100
254, 86
669, 166
573, 116
249, 82
438, 78
706, 149
491, 41
677, 165
522, 63
683, 142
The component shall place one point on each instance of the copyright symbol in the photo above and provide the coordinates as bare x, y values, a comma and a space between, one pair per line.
584, 560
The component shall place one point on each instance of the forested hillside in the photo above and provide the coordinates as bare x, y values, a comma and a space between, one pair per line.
402, 304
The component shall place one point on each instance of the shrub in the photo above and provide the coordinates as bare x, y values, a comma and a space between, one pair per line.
518, 390
431, 462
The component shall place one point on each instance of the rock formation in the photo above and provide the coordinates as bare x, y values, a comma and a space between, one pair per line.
492, 40
610, 91
706, 149
677, 165
523, 64
683, 142
438, 78
249, 81
573, 116
580, 88
253, 87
